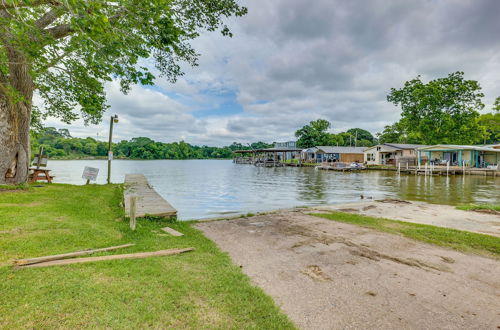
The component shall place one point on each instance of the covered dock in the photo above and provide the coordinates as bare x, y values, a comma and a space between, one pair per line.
270, 157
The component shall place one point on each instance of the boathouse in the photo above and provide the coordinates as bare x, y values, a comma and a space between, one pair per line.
460, 155
279, 155
333, 154
391, 153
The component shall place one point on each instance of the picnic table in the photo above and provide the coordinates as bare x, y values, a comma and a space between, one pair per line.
40, 174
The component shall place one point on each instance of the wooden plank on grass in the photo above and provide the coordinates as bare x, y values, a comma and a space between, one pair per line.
113, 257
30, 261
172, 232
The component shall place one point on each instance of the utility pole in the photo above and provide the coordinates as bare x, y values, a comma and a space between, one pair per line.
114, 119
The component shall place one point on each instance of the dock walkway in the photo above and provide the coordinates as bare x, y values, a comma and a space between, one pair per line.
149, 202
455, 170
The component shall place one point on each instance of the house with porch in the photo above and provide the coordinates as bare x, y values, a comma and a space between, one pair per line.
333, 154
391, 154
460, 155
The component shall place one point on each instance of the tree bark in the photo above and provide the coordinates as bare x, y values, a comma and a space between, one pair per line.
14, 141
16, 98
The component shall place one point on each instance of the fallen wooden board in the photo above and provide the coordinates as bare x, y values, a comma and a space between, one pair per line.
172, 232
113, 257
67, 255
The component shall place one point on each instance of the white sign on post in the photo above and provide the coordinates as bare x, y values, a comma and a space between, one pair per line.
90, 173
110, 155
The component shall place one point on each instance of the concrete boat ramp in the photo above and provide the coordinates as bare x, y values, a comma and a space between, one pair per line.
149, 202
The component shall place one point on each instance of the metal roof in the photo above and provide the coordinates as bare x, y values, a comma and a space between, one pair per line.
340, 150
405, 146
459, 147
268, 150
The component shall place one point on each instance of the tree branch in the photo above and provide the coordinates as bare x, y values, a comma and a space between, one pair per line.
64, 30
5, 14
60, 31
49, 17
11, 5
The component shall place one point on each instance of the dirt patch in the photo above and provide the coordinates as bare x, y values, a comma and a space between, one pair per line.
348, 210
393, 201
369, 207
377, 256
315, 272
487, 211
11, 231
447, 259
330, 275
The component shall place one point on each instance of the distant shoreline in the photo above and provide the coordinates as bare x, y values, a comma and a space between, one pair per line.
120, 158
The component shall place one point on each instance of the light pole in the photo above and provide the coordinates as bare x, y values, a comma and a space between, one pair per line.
114, 119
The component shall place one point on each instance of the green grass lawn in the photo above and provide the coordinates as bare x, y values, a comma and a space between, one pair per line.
199, 289
456, 239
475, 207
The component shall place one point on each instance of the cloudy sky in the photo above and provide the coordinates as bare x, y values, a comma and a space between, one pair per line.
293, 61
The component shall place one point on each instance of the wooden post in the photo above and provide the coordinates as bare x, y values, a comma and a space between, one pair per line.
40, 152
133, 200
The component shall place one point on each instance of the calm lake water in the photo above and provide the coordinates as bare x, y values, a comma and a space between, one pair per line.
210, 188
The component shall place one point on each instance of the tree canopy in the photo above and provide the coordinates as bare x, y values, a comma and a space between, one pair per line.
490, 122
313, 134
72, 47
316, 134
444, 110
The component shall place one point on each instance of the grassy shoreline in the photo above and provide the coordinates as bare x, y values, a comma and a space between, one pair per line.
459, 240
199, 289
479, 207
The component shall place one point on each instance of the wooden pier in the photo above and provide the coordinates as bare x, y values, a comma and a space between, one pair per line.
149, 202
452, 170
339, 167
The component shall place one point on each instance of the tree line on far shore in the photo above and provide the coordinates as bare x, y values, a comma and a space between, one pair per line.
58, 143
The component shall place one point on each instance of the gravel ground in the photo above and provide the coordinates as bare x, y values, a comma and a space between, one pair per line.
330, 275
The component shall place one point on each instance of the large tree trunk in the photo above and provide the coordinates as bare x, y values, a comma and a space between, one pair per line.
14, 141
15, 118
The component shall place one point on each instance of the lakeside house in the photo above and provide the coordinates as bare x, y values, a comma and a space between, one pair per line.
391, 154
461, 155
333, 154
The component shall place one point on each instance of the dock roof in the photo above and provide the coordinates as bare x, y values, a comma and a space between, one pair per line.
458, 147
340, 150
403, 146
268, 150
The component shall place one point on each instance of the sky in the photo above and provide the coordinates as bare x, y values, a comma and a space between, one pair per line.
294, 61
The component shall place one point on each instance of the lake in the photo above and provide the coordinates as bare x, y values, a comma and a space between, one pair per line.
211, 188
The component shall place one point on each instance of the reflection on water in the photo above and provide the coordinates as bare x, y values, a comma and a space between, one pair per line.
208, 188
